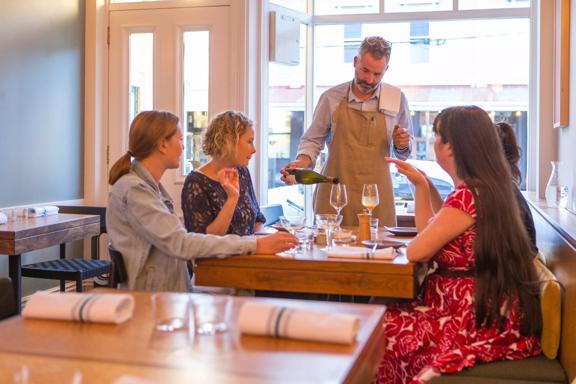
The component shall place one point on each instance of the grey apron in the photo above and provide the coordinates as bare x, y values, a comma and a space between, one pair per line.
360, 143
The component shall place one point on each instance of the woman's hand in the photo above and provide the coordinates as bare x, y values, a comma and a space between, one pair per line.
415, 176
278, 242
228, 178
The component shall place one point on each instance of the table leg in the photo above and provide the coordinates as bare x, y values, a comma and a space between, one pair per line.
14, 267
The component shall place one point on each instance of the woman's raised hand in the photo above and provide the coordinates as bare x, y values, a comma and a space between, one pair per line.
278, 242
228, 178
416, 177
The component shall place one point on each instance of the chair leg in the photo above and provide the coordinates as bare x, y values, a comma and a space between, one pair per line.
79, 285
62, 285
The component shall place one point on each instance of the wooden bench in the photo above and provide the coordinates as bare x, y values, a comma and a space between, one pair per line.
559, 250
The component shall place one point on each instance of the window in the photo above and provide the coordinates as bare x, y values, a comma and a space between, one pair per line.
195, 88
287, 101
342, 7
420, 41
141, 73
352, 40
455, 66
438, 62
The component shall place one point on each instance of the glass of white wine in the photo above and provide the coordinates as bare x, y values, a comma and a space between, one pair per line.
370, 198
338, 197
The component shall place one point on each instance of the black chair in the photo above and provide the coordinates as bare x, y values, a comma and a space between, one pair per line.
7, 302
73, 269
272, 213
119, 274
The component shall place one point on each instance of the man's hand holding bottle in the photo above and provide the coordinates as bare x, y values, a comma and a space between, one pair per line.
302, 161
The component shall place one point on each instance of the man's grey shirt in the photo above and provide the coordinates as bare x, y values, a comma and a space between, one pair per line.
319, 132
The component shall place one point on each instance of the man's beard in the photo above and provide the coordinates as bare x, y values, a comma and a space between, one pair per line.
365, 87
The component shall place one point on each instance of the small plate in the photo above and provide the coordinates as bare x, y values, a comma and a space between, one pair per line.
402, 231
384, 243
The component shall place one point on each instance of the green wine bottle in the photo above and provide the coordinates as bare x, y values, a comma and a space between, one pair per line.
308, 176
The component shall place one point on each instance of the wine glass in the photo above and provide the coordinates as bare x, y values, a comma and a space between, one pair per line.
338, 197
292, 223
328, 222
370, 197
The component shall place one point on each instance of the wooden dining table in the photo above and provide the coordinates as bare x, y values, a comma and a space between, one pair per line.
313, 272
35, 233
104, 352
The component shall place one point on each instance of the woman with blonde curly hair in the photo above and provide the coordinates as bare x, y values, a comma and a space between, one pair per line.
218, 198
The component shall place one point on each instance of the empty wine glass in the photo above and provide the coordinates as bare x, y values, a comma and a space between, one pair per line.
328, 222
292, 223
338, 197
370, 199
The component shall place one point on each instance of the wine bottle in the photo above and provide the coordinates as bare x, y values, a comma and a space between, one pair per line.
308, 176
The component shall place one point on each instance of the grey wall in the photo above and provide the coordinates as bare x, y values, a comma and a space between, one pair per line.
41, 100
41, 108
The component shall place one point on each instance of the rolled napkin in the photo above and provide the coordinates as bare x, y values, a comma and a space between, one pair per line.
83, 307
46, 210
272, 320
3, 218
361, 253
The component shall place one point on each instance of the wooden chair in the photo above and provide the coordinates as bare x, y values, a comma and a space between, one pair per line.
7, 302
272, 213
119, 274
73, 269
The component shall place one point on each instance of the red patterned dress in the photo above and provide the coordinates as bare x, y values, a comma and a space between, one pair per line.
437, 333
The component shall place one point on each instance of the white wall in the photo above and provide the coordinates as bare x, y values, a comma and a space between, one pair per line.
567, 135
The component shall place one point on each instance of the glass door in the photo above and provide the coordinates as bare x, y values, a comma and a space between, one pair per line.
169, 59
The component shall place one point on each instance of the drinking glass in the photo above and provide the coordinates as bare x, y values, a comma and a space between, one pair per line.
370, 199
338, 197
328, 221
292, 224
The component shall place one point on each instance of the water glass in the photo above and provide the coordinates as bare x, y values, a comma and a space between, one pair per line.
328, 222
211, 313
374, 229
305, 238
11, 214
171, 311
342, 237
23, 213
39, 373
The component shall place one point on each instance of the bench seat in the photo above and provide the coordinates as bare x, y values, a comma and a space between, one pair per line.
533, 370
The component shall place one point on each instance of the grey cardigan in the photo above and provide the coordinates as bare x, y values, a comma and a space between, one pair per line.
155, 246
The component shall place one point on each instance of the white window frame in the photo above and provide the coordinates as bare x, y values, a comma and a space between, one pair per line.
542, 142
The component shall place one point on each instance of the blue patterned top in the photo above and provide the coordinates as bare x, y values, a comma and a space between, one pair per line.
203, 198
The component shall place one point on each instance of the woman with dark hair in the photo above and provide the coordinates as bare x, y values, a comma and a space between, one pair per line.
140, 217
512, 153
480, 300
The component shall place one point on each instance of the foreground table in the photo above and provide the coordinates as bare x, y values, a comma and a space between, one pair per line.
311, 272
32, 234
228, 357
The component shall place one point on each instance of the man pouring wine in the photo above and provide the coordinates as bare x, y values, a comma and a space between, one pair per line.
361, 122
